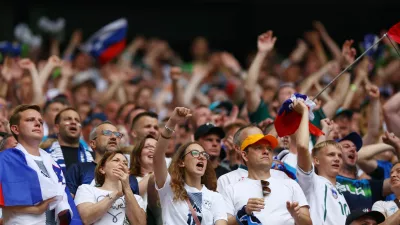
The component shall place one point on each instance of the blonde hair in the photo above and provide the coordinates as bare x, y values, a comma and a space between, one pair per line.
318, 147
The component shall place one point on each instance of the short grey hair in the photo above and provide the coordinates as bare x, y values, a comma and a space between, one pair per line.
236, 139
93, 133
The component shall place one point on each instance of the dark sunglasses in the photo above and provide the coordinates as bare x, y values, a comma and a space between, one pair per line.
265, 189
109, 133
197, 153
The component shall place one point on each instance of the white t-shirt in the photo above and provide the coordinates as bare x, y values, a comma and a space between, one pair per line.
241, 173
115, 215
327, 205
387, 208
209, 206
275, 211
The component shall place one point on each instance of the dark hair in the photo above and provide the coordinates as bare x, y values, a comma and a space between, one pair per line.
177, 174
122, 107
5, 136
143, 114
58, 116
127, 118
136, 162
16, 115
58, 99
98, 176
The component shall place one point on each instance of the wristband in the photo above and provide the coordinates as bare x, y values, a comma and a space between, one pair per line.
165, 137
353, 87
169, 129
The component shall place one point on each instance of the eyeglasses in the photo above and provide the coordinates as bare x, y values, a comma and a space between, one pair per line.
197, 153
109, 133
265, 189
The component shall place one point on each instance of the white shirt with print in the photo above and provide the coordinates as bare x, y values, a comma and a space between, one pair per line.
275, 211
115, 215
327, 205
387, 208
209, 206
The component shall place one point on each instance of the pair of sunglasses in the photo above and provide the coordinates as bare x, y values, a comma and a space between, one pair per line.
265, 188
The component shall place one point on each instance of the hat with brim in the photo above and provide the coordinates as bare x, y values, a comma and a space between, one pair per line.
355, 215
257, 138
355, 138
343, 112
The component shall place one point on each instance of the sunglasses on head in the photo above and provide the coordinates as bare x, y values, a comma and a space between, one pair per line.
265, 189
109, 133
197, 153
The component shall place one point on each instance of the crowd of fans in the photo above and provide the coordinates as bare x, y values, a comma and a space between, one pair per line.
150, 139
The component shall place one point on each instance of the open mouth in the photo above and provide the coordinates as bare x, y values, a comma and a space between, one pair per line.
336, 166
200, 165
73, 129
352, 157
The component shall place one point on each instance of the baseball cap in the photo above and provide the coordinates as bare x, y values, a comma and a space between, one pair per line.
98, 116
207, 129
252, 139
218, 106
354, 215
355, 138
346, 112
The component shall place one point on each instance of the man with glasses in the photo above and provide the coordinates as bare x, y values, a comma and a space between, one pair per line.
67, 150
260, 198
7, 141
104, 137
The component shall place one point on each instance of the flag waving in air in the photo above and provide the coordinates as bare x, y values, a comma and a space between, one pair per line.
108, 42
394, 32
288, 120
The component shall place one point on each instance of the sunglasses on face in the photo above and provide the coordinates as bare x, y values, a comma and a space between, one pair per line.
265, 188
109, 133
197, 153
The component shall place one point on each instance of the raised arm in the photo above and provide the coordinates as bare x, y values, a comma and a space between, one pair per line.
342, 87
75, 40
366, 155
374, 122
391, 111
314, 39
265, 44
38, 96
45, 73
303, 137
177, 92
330, 43
160, 167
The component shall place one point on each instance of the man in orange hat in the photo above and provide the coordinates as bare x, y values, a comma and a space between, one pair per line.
261, 198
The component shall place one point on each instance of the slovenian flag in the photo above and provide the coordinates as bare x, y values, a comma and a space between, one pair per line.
20, 186
288, 120
108, 42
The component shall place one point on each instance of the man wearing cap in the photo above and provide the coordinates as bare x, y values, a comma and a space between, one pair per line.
316, 174
390, 209
210, 136
359, 194
261, 198
360, 217
241, 172
68, 150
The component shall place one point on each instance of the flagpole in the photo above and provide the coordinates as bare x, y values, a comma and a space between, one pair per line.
394, 46
348, 67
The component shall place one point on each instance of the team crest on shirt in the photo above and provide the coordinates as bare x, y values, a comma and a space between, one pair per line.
334, 193
207, 204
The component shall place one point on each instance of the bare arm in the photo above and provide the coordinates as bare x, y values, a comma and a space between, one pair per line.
303, 137
91, 212
374, 124
306, 84
393, 219
199, 73
302, 216
326, 38
27, 64
159, 164
221, 222
314, 39
73, 43
265, 44
365, 156
177, 92
45, 73
36, 210
232, 220
135, 214
391, 110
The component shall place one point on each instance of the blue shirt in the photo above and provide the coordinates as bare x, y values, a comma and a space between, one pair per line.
360, 194
83, 173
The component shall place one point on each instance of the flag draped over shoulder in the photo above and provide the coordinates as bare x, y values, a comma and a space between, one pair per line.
20, 186
108, 42
288, 120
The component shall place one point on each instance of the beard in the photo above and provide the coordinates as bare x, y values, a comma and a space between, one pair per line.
69, 139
